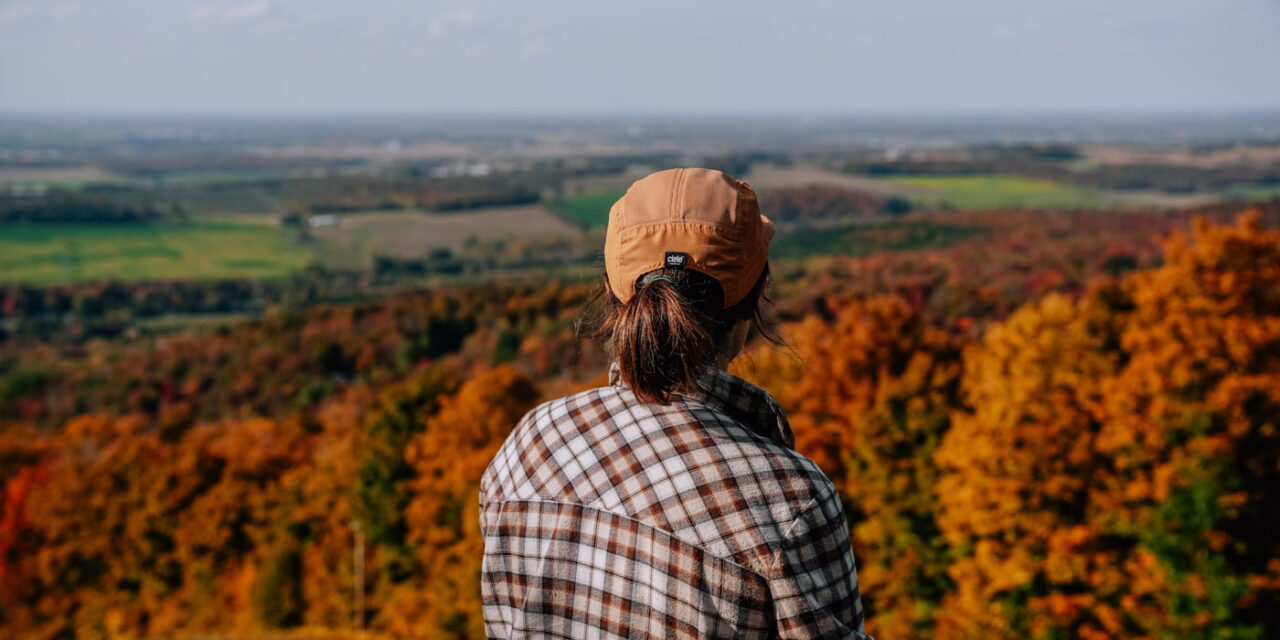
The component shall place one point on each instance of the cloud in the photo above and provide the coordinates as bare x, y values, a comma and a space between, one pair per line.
532, 48
862, 42
1018, 28
62, 12
14, 13
66, 11
246, 12
449, 22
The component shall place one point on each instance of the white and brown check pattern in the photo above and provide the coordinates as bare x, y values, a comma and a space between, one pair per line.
604, 517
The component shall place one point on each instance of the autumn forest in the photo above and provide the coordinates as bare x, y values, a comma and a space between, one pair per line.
250, 377
1074, 437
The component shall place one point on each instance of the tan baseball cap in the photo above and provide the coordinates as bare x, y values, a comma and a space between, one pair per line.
697, 219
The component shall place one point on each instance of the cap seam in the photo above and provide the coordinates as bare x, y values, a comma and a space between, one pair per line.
705, 223
679, 194
734, 233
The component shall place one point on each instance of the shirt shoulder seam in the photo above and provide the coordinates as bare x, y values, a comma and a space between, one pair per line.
787, 538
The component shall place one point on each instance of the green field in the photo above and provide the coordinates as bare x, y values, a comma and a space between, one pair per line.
44, 254
993, 191
1254, 192
589, 210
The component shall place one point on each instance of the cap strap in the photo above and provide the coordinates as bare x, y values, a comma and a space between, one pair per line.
659, 277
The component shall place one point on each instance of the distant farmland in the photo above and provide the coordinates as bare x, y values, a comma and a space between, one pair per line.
252, 246
44, 254
411, 234
589, 210
994, 191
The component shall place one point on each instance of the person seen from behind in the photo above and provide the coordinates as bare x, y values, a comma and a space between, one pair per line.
670, 503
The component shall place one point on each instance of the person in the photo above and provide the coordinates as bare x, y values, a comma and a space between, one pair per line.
670, 503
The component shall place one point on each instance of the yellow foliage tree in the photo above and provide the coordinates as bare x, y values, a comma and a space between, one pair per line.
1018, 468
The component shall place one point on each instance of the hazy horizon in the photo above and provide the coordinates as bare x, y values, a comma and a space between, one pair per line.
399, 58
1083, 114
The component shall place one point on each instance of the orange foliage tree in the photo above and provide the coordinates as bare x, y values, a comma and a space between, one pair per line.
246, 526
130, 534
868, 394
1114, 475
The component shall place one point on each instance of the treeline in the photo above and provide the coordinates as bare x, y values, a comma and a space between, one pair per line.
1174, 179
1097, 465
161, 163
820, 202
481, 256
345, 194
509, 184
299, 187
61, 206
1159, 177
80, 311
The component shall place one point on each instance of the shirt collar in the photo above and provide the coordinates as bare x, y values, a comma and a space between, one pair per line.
739, 399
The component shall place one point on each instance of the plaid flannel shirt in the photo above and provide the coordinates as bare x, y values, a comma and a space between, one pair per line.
604, 517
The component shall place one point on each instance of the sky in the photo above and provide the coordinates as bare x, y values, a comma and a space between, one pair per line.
407, 57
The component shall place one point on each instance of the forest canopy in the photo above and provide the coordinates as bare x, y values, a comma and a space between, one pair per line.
1087, 454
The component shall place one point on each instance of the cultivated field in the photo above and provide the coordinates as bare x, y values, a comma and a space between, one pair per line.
764, 177
56, 176
249, 245
962, 192
411, 234
42, 254
1237, 155
994, 191
589, 210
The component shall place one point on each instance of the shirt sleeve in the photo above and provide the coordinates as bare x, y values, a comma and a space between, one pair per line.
815, 581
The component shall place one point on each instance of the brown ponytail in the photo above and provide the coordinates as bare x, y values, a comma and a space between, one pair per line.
673, 329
